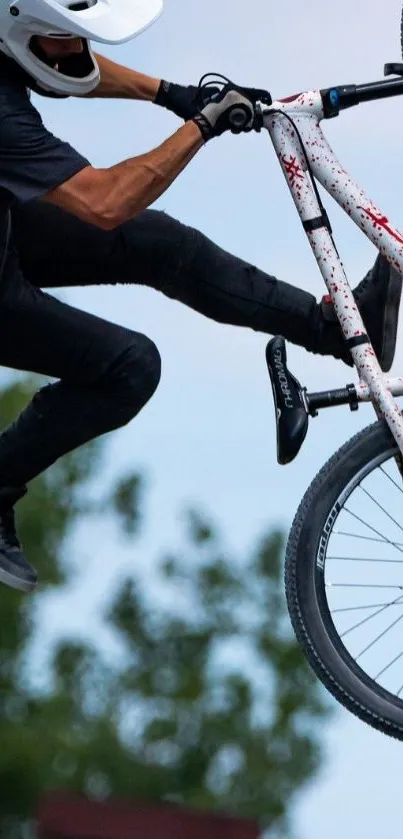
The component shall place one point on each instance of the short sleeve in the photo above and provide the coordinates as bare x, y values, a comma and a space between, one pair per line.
32, 160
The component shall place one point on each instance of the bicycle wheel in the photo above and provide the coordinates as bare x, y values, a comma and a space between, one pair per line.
344, 578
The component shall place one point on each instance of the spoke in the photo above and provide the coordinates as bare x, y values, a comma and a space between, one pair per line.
370, 606
362, 559
400, 691
368, 494
362, 585
366, 538
369, 617
374, 530
392, 480
391, 663
378, 638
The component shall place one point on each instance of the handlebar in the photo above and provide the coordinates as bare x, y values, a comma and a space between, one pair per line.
340, 97
334, 99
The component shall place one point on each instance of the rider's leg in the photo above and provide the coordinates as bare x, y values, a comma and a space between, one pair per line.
107, 375
158, 251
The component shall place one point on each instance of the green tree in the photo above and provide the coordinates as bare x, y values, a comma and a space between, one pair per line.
211, 703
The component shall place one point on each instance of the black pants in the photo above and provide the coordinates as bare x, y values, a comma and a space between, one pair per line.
106, 372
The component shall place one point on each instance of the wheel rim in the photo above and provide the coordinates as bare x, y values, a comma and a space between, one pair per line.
359, 578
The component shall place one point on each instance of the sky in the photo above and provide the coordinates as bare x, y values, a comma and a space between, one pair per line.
208, 436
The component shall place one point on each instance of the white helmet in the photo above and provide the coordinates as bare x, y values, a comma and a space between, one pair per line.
106, 21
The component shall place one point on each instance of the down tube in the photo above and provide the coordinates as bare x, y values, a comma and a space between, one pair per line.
293, 163
352, 199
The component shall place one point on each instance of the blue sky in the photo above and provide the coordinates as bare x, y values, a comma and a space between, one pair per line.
208, 435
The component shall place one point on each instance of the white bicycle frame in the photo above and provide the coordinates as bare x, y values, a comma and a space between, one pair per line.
306, 111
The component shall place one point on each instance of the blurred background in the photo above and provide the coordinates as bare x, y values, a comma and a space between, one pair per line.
156, 664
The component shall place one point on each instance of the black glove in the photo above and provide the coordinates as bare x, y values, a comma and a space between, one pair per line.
233, 109
185, 102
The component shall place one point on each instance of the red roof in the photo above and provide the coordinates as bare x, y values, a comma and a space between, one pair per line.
64, 816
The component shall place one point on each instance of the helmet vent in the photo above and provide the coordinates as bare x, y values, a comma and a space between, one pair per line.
82, 5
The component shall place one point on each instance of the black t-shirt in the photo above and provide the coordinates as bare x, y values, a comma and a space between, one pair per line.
32, 160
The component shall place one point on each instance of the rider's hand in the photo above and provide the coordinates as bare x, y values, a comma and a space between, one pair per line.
232, 109
185, 102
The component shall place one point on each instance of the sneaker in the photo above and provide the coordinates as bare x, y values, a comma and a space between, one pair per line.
378, 299
15, 571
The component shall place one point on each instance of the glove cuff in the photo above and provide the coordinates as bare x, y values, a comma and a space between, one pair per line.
162, 94
204, 126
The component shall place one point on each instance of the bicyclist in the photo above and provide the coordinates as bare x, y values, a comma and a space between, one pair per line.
73, 224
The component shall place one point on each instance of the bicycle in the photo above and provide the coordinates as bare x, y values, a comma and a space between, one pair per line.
331, 605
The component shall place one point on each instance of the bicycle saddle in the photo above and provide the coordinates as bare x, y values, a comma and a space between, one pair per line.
289, 402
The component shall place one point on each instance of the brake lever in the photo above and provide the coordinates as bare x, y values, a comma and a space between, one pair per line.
393, 69
257, 95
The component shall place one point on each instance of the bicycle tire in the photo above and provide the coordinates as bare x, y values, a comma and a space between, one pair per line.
305, 581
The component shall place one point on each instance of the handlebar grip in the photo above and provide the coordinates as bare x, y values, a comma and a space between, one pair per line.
238, 118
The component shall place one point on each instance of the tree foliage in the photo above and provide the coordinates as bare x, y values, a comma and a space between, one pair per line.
211, 703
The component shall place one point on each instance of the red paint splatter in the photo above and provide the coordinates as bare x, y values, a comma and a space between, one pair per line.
382, 223
292, 169
290, 98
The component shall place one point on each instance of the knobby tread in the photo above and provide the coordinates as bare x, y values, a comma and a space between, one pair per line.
377, 432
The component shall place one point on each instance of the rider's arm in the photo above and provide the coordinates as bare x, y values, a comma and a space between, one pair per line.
34, 164
108, 197
120, 82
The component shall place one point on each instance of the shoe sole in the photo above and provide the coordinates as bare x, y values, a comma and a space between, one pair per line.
391, 319
16, 582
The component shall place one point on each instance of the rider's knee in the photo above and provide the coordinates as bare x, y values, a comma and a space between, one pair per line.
134, 376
